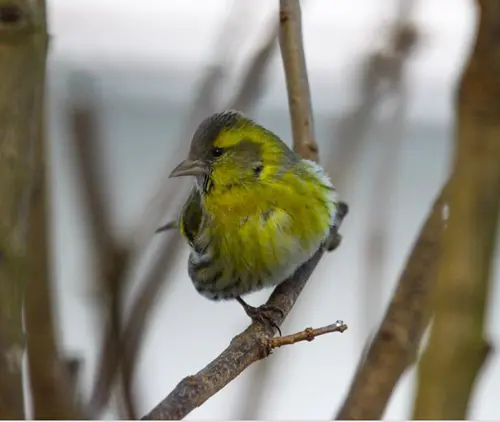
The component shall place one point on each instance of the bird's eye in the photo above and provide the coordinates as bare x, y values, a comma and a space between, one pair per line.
257, 169
217, 152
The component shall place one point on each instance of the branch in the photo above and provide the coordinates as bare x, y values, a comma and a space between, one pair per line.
447, 374
309, 334
245, 349
17, 85
113, 260
253, 344
23, 239
396, 343
49, 380
297, 84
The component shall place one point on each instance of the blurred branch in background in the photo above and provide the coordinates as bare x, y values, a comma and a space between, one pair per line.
252, 345
395, 346
381, 85
252, 86
111, 258
390, 69
381, 76
50, 385
447, 375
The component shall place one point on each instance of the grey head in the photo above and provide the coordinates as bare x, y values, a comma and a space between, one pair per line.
202, 151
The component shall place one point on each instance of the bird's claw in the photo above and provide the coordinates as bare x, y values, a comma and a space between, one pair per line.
261, 315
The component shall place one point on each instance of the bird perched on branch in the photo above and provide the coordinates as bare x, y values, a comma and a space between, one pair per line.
256, 213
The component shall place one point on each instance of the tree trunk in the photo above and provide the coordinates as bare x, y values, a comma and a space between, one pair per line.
23, 41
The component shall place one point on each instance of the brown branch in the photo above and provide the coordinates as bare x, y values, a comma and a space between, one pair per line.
447, 375
297, 84
18, 82
253, 344
49, 380
396, 343
309, 334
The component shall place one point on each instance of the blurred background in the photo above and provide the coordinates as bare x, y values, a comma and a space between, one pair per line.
383, 75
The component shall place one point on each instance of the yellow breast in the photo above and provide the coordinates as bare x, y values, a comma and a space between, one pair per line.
270, 228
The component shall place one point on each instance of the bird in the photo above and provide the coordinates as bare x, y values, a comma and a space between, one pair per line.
256, 212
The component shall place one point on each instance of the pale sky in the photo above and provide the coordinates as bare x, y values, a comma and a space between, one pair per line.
154, 33
111, 29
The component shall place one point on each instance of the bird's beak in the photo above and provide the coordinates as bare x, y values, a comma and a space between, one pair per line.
189, 168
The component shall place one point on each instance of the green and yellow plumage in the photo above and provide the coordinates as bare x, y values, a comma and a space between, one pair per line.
257, 210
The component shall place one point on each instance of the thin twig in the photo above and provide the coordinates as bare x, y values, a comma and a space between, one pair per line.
309, 334
457, 346
396, 343
297, 83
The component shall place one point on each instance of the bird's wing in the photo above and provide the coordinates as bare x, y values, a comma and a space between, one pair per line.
191, 217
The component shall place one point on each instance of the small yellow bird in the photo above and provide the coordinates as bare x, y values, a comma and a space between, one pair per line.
256, 213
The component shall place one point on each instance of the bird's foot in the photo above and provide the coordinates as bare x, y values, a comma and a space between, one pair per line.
261, 314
